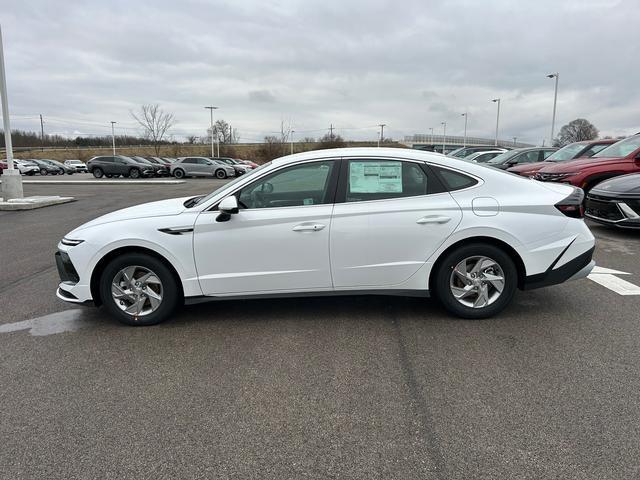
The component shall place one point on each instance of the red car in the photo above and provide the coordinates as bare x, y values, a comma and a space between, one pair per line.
566, 153
3, 166
618, 159
248, 162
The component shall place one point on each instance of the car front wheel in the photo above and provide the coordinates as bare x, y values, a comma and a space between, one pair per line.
43, 171
221, 174
178, 173
139, 289
134, 173
476, 281
97, 172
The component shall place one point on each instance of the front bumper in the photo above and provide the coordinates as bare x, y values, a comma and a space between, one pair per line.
617, 212
70, 289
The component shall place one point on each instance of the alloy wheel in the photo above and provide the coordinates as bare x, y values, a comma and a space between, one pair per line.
137, 291
477, 281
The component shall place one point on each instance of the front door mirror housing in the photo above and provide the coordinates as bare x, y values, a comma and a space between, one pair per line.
227, 207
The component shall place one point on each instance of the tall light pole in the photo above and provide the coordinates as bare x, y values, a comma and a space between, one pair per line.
211, 109
497, 100
381, 137
514, 141
291, 139
431, 128
555, 99
444, 135
11, 179
113, 137
464, 142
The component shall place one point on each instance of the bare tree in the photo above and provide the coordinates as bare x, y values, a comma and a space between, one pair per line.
271, 148
155, 123
331, 140
223, 132
576, 130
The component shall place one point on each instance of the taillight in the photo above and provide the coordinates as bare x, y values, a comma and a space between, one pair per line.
572, 206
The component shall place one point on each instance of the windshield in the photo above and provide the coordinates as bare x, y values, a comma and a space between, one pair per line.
567, 152
227, 185
621, 148
503, 157
458, 152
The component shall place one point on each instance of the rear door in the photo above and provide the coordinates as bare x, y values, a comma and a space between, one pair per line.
390, 216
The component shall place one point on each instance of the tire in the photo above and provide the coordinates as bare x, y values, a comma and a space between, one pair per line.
43, 171
473, 287
108, 175
139, 298
178, 173
97, 172
134, 173
221, 174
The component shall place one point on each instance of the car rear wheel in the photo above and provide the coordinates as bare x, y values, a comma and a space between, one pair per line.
221, 173
476, 281
178, 173
134, 173
97, 172
139, 289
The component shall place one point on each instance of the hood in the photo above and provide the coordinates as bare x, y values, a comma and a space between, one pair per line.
624, 184
525, 167
162, 208
575, 165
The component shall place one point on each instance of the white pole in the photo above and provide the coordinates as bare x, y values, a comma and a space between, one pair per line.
113, 138
464, 142
292, 132
555, 99
5, 108
211, 109
497, 100
431, 128
444, 135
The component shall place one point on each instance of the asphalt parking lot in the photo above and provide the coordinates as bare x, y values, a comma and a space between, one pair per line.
346, 387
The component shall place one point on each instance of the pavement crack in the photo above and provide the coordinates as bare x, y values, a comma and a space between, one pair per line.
419, 403
20, 281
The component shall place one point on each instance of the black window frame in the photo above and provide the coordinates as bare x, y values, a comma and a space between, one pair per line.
437, 169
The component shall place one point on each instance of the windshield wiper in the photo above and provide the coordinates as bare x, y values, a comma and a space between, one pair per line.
192, 201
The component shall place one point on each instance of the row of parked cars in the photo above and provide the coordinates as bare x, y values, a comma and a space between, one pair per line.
608, 171
45, 167
111, 166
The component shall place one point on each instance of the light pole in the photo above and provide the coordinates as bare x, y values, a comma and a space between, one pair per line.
555, 99
464, 142
497, 100
444, 135
381, 137
514, 141
211, 109
292, 132
11, 179
113, 137
431, 128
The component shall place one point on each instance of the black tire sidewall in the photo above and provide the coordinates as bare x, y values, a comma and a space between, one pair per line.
221, 174
97, 172
170, 289
442, 278
178, 173
43, 171
134, 173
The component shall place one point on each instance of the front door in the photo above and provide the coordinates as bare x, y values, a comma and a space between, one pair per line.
279, 239
394, 216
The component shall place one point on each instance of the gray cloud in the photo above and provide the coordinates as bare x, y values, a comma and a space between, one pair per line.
411, 65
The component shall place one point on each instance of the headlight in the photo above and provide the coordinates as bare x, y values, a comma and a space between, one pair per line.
70, 242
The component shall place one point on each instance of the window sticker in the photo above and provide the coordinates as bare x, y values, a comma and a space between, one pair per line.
375, 177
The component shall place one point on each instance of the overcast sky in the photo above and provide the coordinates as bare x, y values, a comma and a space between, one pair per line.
408, 64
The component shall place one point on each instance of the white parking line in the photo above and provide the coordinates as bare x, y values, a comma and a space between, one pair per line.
607, 278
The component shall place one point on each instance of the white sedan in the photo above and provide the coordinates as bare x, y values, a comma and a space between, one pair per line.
345, 221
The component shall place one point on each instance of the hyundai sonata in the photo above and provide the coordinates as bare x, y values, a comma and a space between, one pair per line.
345, 221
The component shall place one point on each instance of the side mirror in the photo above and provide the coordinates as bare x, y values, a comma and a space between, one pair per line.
227, 207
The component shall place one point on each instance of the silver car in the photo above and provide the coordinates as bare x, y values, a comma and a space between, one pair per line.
200, 167
77, 165
25, 167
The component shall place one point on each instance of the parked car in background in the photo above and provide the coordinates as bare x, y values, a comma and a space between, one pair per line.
3, 166
77, 165
618, 159
248, 162
464, 152
519, 156
342, 221
169, 160
26, 167
200, 167
483, 157
114, 166
159, 169
48, 168
160, 160
63, 167
239, 167
615, 202
566, 153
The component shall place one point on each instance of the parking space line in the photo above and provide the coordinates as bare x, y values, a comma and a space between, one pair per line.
607, 278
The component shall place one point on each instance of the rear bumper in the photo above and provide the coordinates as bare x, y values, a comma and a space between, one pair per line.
574, 269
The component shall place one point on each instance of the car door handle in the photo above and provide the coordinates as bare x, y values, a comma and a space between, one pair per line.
433, 219
308, 227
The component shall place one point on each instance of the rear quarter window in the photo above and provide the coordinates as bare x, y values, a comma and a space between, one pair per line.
453, 180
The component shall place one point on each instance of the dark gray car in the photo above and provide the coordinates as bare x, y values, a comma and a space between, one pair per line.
200, 167
520, 156
114, 166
